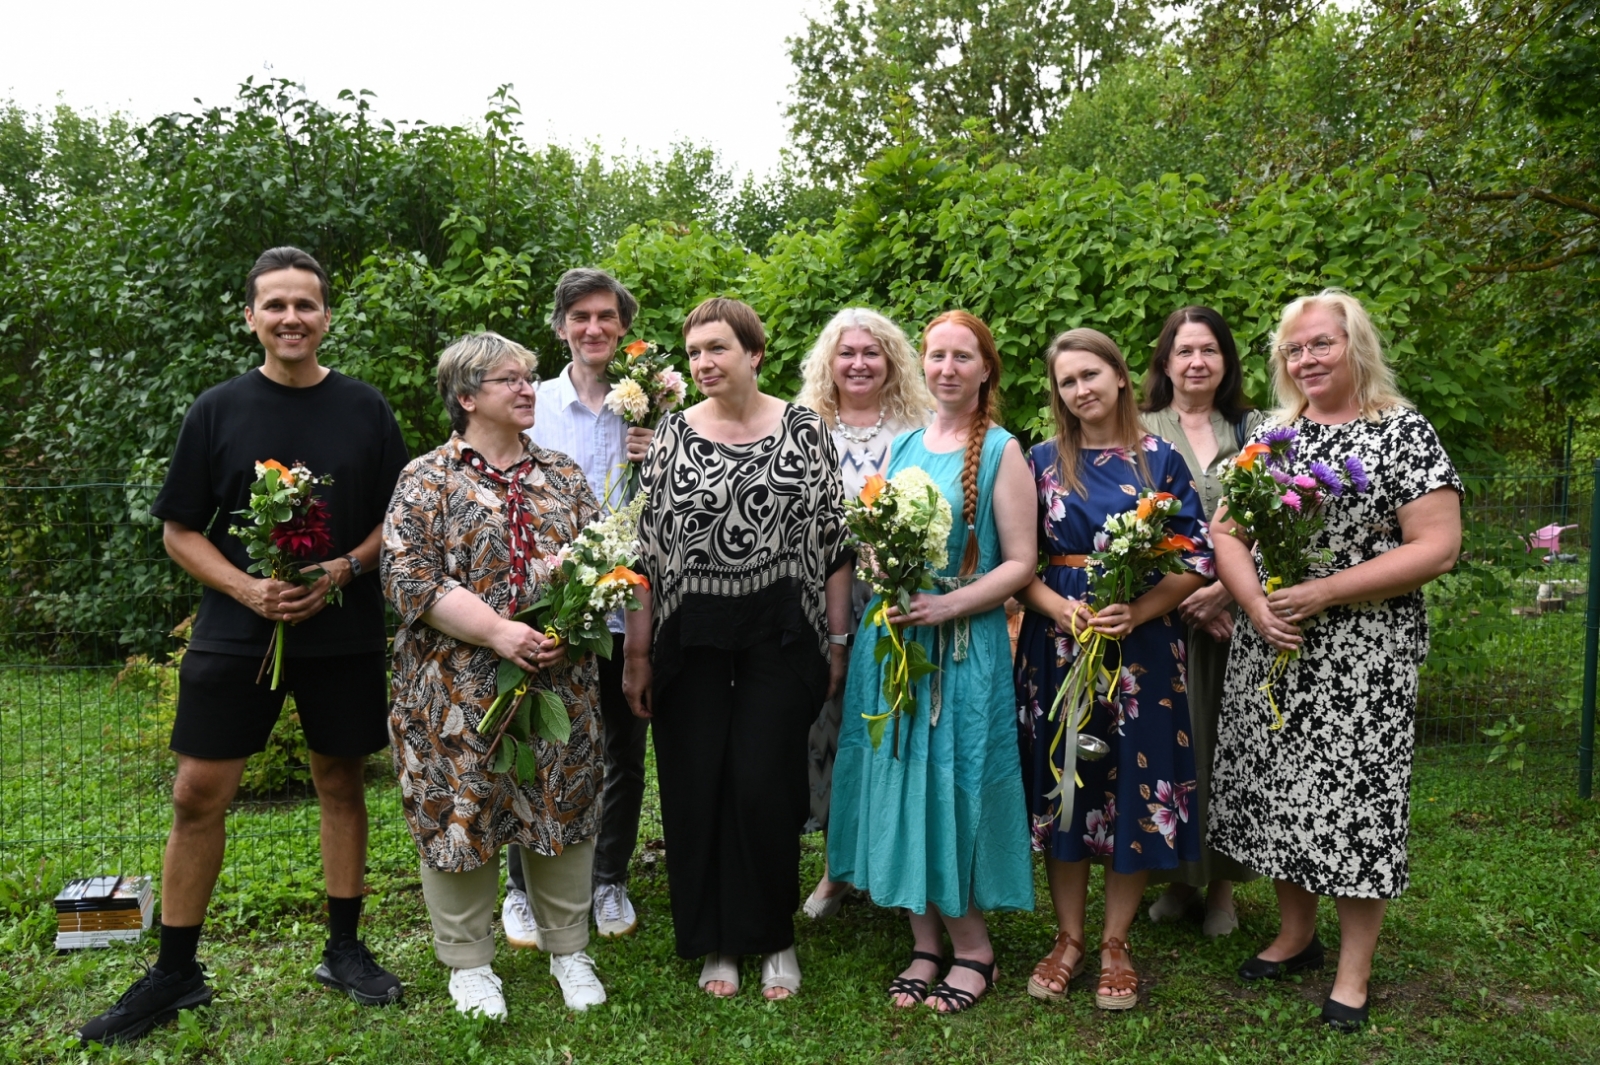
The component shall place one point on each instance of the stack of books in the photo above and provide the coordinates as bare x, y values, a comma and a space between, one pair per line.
97, 911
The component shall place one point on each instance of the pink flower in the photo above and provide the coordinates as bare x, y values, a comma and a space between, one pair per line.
1291, 499
1304, 483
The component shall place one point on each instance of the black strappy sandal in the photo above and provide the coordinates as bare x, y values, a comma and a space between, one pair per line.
915, 989
954, 998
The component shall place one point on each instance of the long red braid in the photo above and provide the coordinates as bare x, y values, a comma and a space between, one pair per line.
985, 414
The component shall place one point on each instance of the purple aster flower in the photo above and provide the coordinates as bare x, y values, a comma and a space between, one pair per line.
1327, 478
1280, 476
1358, 475
1282, 434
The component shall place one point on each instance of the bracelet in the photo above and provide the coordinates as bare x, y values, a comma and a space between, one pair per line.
842, 639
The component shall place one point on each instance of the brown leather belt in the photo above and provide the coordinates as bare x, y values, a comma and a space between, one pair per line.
1075, 561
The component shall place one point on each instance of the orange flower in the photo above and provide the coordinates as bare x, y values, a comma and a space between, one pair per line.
285, 478
1147, 505
624, 575
637, 348
1177, 542
1250, 452
873, 488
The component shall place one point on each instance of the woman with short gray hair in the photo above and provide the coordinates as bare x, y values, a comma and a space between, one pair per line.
466, 543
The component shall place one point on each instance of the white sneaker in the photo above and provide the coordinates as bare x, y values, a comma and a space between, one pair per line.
478, 991
613, 913
579, 985
517, 918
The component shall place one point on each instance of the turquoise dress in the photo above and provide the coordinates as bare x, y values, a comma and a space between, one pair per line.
945, 823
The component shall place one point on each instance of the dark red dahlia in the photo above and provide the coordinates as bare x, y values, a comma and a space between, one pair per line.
306, 536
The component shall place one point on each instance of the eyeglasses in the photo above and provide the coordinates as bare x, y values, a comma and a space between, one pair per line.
1318, 348
514, 381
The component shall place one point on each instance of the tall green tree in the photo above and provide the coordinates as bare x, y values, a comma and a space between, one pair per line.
871, 72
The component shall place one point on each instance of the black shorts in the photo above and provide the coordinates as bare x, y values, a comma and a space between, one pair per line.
343, 702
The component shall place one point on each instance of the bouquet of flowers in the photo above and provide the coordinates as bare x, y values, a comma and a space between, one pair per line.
288, 529
1128, 549
646, 387
903, 523
1283, 512
589, 578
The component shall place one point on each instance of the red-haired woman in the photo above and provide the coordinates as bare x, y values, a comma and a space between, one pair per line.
1132, 813
941, 829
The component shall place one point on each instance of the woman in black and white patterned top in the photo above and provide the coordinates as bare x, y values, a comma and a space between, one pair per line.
1322, 805
742, 635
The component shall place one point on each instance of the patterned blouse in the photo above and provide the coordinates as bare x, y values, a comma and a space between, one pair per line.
446, 528
739, 537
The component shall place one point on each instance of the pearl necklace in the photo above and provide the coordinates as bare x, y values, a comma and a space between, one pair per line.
849, 431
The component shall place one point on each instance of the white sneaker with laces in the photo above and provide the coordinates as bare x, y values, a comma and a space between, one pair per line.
477, 990
613, 913
516, 916
579, 985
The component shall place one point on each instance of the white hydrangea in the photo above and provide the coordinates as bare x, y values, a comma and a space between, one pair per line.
911, 487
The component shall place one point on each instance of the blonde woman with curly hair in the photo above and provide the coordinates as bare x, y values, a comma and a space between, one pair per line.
863, 377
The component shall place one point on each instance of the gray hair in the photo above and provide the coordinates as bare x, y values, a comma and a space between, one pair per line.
583, 281
463, 364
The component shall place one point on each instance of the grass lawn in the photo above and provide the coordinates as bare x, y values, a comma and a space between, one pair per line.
1493, 956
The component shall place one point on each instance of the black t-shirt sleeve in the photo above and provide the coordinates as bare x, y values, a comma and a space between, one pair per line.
394, 459
187, 496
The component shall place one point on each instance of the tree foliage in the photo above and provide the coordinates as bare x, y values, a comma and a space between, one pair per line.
870, 72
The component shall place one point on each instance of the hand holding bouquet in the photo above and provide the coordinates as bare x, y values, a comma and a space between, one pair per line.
1129, 549
589, 579
902, 523
646, 388
288, 529
1283, 513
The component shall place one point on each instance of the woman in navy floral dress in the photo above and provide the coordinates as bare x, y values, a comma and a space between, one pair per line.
1134, 810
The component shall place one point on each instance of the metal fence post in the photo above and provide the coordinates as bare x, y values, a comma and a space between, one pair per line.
1591, 646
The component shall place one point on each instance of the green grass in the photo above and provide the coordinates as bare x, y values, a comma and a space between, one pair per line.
1494, 956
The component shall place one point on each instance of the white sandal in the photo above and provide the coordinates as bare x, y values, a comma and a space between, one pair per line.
819, 908
723, 967
781, 970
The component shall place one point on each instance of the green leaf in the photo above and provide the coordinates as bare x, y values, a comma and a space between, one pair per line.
552, 723
503, 755
508, 675
881, 649
522, 720
527, 765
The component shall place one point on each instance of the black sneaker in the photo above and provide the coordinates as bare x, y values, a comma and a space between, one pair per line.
155, 998
356, 972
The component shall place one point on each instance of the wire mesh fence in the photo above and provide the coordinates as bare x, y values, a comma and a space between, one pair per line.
88, 682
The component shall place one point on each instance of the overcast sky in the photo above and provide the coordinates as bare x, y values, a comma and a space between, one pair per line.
630, 74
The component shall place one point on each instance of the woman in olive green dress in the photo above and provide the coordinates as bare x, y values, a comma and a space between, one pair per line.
1194, 399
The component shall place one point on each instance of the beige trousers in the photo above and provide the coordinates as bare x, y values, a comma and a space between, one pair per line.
462, 905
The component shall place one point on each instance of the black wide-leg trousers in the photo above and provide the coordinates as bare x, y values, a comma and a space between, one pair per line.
730, 739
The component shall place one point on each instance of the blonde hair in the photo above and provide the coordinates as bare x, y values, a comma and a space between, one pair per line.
1069, 430
904, 399
1376, 391
986, 413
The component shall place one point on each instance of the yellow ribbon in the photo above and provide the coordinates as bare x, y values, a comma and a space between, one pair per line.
1080, 679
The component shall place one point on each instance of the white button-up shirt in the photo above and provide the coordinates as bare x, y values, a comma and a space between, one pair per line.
597, 442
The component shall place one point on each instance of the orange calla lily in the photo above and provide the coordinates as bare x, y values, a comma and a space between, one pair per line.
637, 348
285, 478
625, 575
1250, 453
873, 488
1177, 542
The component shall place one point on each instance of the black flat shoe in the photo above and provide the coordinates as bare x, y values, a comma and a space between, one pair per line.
1260, 969
1342, 1018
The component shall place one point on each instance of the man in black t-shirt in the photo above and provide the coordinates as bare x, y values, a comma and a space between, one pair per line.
298, 412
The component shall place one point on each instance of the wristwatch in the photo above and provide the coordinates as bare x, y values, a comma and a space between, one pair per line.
842, 639
355, 566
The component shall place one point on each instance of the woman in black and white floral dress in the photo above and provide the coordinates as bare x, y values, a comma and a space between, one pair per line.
1322, 805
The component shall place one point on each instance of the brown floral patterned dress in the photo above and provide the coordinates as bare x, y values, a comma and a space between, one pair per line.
446, 528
